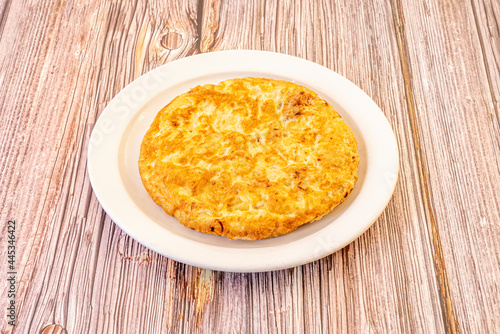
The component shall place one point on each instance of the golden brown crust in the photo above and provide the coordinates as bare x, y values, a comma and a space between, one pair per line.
248, 158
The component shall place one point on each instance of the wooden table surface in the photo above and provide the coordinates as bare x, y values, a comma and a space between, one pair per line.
430, 263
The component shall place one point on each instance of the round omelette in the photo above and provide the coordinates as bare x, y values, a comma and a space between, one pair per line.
248, 158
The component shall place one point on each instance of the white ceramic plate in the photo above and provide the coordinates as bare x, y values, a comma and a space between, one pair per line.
117, 135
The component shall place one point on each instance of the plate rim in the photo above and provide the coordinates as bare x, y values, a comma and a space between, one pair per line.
99, 170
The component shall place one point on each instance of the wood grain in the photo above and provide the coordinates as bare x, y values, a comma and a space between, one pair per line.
450, 320
454, 110
431, 262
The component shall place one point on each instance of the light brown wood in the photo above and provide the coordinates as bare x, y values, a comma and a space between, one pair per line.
456, 118
431, 262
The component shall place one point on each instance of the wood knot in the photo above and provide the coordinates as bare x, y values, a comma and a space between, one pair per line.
171, 41
54, 329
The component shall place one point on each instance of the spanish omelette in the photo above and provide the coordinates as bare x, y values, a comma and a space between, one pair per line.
248, 158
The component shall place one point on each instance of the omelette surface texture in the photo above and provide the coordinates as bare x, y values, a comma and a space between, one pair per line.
248, 158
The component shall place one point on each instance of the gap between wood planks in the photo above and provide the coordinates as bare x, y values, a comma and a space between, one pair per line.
199, 25
449, 318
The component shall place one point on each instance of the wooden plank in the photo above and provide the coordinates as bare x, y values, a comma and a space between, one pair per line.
61, 63
487, 21
385, 281
454, 79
